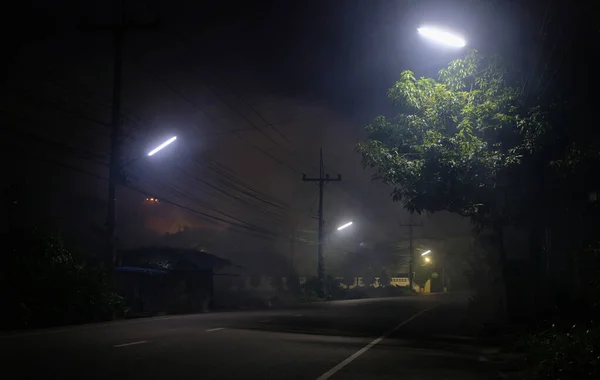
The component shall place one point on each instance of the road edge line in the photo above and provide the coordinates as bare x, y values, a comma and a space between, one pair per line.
366, 348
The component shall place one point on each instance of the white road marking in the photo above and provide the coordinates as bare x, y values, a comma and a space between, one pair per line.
366, 348
216, 329
130, 344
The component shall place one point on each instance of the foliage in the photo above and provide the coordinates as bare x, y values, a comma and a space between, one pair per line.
311, 289
44, 284
454, 139
564, 354
384, 279
293, 284
369, 276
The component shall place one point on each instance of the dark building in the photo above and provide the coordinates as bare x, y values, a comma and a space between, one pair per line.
163, 280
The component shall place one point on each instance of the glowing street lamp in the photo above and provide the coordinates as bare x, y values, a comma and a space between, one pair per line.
427, 259
442, 36
344, 226
426, 253
161, 146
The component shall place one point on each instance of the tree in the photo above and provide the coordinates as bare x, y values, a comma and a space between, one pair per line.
454, 140
368, 276
464, 143
44, 284
384, 279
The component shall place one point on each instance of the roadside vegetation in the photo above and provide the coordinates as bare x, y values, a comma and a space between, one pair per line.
472, 142
44, 284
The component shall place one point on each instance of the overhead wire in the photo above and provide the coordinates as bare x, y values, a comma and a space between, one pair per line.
218, 123
181, 193
129, 118
343, 185
244, 102
65, 148
75, 152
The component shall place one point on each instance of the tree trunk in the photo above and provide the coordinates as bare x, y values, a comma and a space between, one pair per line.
503, 286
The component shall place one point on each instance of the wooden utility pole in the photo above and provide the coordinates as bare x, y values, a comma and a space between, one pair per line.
322, 180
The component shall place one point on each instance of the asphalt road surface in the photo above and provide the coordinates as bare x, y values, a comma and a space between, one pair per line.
392, 338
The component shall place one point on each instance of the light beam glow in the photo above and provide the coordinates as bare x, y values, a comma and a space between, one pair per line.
426, 253
161, 146
442, 37
344, 226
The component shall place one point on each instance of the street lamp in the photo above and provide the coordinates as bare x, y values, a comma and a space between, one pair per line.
112, 220
426, 253
344, 226
161, 146
442, 36
427, 259
151, 153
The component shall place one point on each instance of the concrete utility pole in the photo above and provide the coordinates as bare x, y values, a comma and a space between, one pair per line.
322, 180
410, 226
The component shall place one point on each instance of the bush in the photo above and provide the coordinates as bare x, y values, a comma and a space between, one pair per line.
43, 284
564, 353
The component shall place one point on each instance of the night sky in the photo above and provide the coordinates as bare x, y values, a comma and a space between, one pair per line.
252, 90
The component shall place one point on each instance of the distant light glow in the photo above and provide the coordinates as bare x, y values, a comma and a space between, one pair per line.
426, 253
161, 146
344, 226
442, 37
427, 259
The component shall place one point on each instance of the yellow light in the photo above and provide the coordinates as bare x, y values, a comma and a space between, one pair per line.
427, 259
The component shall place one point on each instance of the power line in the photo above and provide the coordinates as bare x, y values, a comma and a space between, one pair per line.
57, 106
232, 177
249, 226
215, 122
237, 95
181, 193
208, 184
239, 113
81, 153
85, 116
246, 226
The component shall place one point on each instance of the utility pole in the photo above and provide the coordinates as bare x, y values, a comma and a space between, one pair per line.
410, 226
322, 180
118, 29
115, 134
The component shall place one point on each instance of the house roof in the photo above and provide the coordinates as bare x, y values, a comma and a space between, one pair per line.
168, 258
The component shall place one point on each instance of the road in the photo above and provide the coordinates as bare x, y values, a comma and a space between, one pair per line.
391, 338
